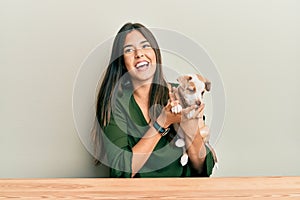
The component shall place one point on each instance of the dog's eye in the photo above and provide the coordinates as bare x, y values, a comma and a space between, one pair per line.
202, 93
191, 89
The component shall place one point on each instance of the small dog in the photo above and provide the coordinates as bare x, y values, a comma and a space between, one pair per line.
190, 92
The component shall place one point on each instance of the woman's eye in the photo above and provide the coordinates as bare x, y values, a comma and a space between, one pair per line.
128, 50
145, 46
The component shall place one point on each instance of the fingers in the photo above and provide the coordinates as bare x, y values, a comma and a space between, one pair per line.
173, 106
200, 111
174, 103
189, 109
194, 112
204, 131
169, 105
175, 93
172, 96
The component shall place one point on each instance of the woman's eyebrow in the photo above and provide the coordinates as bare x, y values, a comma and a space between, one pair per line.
145, 41
130, 45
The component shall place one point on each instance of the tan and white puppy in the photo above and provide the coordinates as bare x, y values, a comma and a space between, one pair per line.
190, 92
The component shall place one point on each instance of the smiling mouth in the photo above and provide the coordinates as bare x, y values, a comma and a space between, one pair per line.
142, 64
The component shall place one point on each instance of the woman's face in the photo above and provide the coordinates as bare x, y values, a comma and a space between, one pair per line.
139, 58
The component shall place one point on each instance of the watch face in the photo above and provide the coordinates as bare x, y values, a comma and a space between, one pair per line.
166, 132
160, 129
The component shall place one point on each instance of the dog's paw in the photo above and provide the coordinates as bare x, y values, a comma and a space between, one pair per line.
184, 159
180, 143
191, 114
176, 109
204, 132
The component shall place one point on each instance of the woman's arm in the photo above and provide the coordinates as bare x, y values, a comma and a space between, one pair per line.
195, 147
193, 140
143, 149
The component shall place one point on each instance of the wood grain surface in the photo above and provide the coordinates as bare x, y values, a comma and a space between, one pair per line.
152, 188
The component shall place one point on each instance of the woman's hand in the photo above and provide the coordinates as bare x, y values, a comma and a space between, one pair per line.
166, 118
193, 125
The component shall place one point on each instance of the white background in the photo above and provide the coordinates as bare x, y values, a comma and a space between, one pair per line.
255, 45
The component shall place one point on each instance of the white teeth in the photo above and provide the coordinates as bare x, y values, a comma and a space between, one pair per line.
141, 64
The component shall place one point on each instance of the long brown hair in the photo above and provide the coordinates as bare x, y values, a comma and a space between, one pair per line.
115, 71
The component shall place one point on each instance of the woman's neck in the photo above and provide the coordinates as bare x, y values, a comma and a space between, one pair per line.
141, 96
141, 92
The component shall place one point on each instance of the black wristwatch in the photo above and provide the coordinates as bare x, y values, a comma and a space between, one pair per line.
162, 131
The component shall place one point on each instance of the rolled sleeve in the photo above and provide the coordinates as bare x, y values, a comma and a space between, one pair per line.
118, 150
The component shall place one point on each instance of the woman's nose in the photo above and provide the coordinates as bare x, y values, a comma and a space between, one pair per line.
139, 53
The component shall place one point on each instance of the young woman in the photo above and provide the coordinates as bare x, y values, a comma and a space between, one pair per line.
134, 113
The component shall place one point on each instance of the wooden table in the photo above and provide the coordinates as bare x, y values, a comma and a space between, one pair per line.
152, 188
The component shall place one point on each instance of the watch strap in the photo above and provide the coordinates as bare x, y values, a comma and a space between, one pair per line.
161, 130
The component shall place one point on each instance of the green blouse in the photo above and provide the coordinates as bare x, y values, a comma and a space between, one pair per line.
126, 127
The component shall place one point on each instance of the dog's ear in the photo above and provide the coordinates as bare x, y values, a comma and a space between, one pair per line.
200, 78
205, 81
207, 85
184, 79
